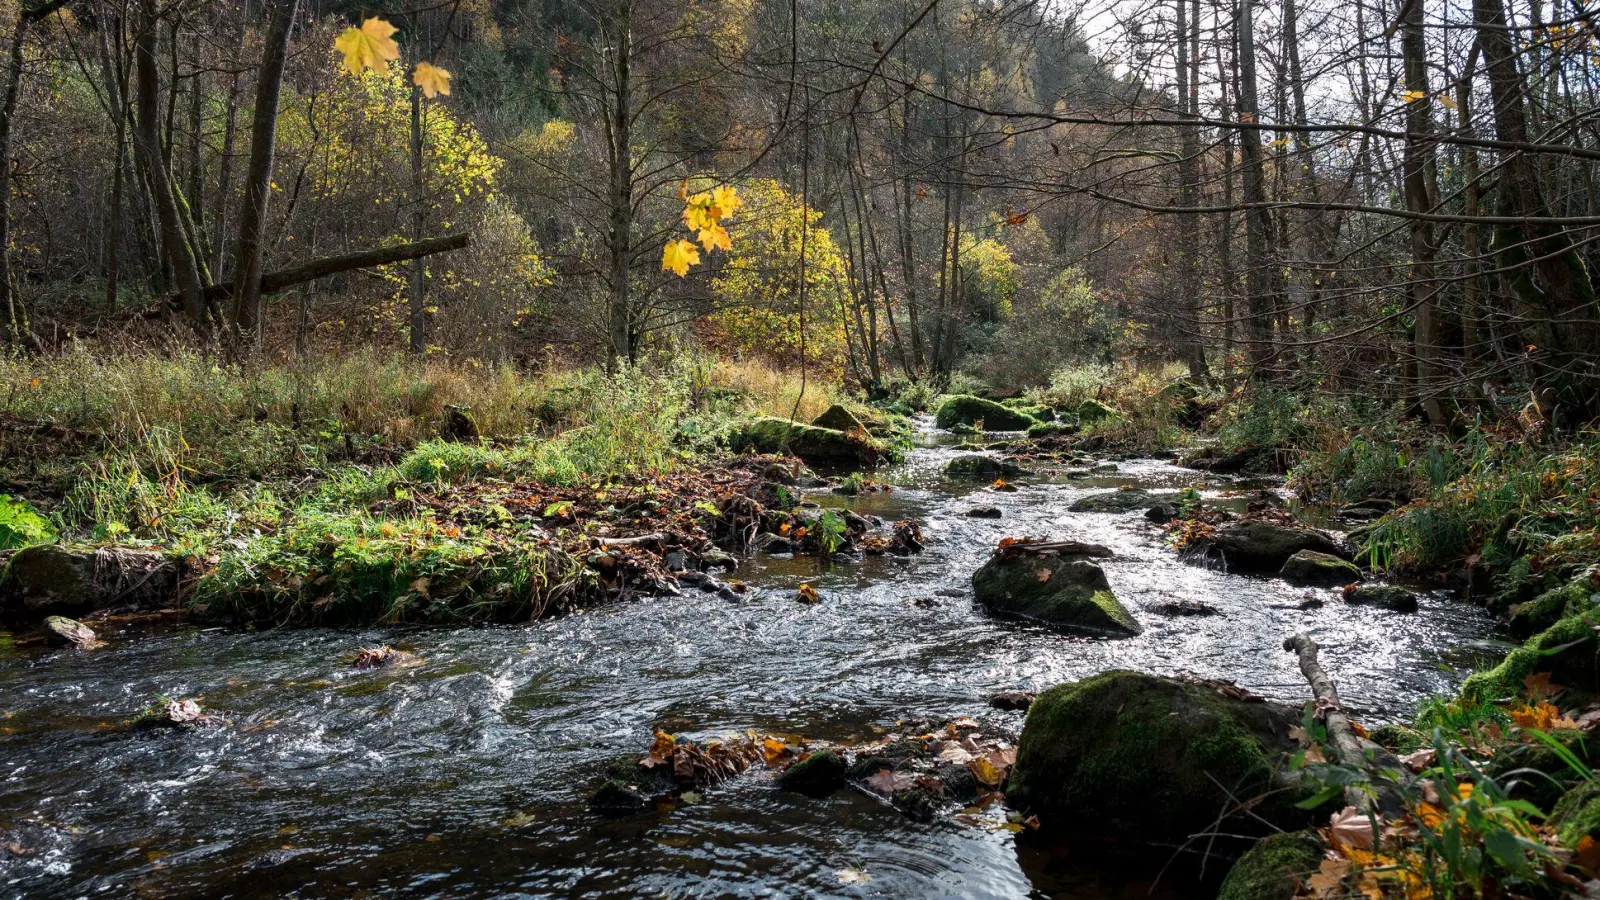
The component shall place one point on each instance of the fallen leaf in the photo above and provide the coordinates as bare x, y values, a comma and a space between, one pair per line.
886, 782
987, 772
1419, 760
1042, 574
853, 876
1588, 856
690, 798
1353, 828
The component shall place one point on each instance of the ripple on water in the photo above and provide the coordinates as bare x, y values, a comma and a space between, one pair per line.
465, 776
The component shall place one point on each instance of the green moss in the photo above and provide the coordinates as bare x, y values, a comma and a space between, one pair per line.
1092, 411
1273, 868
1566, 649
1049, 429
1141, 755
1074, 594
1548, 608
817, 775
1577, 814
963, 409
979, 466
817, 446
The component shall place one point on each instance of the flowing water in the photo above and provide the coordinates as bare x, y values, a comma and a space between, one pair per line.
467, 776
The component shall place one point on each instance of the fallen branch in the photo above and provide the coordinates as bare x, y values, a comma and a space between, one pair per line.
1348, 749
283, 279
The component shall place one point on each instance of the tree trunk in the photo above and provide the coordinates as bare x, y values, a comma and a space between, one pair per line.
619, 152
250, 256
1189, 283
1259, 296
1418, 179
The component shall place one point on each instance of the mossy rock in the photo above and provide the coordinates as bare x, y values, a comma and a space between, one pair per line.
1577, 814
825, 447
1181, 391
1068, 590
1568, 650
1037, 412
1050, 429
1388, 596
1550, 607
964, 409
1153, 758
1274, 868
839, 419
1092, 411
1115, 501
1309, 567
1263, 547
52, 580
976, 465
817, 775
630, 788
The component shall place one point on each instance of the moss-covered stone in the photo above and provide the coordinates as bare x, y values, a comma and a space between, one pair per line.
1092, 411
48, 579
817, 775
1568, 650
1262, 547
963, 409
839, 419
1154, 758
630, 788
1387, 596
1274, 868
976, 465
1049, 429
1068, 590
1533, 616
1577, 814
826, 447
1313, 568
1115, 501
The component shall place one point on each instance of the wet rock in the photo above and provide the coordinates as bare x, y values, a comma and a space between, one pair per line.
1274, 868
1017, 701
48, 580
676, 560
1366, 510
165, 712
630, 788
817, 775
767, 542
1533, 616
984, 512
816, 446
1185, 608
1114, 501
1153, 758
1569, 650
1050, 429
64, 632
1161, 513
839, 419
1104, 468
1262, 547
1387, 596
717, 559
1063, 587
976, 465
1322, 569
967, 410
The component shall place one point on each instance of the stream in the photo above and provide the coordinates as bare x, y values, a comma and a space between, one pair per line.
468, 775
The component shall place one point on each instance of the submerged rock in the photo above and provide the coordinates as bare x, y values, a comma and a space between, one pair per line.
49, 579
1013, 700
1114, 501
71, 633
1161, 513
1153, 758
1262, 547
976, 465
1185, 608
1274, 868
983, 512
816, 446
1388, 596
1062, 586
1323, 569
964, 409
818, 775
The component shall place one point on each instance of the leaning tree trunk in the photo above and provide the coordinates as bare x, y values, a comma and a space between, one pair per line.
250, 258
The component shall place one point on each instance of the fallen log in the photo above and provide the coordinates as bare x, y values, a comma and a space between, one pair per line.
1348, 748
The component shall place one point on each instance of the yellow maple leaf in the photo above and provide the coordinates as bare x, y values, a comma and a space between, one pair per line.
1413, 96
715, 238
698, 215
1447, 102
432, 79
679, 256
371, 46
726, 199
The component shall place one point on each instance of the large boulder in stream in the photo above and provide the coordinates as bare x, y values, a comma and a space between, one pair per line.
963, 409
1261, 547
823, 447
839, 419
51, 580
1155, 759
976, 465
1057, 583
1308, 567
